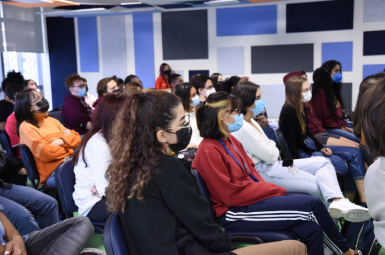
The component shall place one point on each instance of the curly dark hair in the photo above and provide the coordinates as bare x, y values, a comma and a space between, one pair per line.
325, 82
134, 147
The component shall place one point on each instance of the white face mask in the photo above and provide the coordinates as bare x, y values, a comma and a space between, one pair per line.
306, 97
195, 101
209, 92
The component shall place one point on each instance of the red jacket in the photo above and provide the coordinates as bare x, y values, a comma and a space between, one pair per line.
314, 124
329, 119
228, 184
161, 83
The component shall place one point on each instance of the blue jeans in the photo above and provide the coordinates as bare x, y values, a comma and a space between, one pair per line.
344, 133
22, 203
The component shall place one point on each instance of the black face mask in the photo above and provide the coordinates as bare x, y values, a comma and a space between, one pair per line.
167, 72
43, 105
116, 91
184, 137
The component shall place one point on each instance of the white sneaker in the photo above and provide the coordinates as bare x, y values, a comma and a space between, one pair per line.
350, 212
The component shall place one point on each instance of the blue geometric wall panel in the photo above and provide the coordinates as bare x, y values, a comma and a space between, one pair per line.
230, 60
374, 43
372, 69
340, 51
88, 44
374, 10
201, 72
256, 20
275, 98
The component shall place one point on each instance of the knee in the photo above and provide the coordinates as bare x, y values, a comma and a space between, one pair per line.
83, 225
295, 247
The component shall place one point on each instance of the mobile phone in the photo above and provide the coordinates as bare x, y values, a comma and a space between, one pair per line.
287, 162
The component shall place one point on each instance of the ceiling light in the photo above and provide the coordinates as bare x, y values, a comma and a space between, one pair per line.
131, 3
218, 1
87, 10
47, 1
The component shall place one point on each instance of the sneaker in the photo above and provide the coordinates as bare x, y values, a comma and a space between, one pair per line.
357, 252
92, 251
343, 208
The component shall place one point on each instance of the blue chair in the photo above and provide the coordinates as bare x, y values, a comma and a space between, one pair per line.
65, 183
239, 236
56, 115
113, 237
5, 141
285, 152
33, 173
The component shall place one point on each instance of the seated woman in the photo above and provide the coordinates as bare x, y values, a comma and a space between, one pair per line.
92, 158
190, 100
302, 144
327, 100
315, 176
241, 198
49, 141
372, 120
159, 206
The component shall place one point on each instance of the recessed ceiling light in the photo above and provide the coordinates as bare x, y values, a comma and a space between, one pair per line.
218, 1
47, 1
130, 3
88, 10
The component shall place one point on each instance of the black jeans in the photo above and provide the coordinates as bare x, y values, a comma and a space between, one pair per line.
99, 212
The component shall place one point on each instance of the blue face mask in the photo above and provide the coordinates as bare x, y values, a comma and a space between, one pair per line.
259, 106
195, 101
82, 92
237, 124
337, 78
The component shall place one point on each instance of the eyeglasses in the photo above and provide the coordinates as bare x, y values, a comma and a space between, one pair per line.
209, 87
187, 124
236, 111
39, 97
80, 86
306, 90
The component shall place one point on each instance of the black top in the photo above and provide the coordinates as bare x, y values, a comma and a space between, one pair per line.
292, 132
174, 218
6, 109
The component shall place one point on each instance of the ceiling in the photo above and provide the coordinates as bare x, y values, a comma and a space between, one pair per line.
79, 8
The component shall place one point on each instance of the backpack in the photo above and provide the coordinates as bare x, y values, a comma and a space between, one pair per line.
361, 236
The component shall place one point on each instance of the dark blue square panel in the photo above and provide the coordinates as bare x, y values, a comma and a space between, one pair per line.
185, 35
347, 96
319, 16
175, 6
201, 72
374, 43
282, 58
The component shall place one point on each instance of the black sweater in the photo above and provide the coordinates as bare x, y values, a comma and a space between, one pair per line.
174, 218
292, 132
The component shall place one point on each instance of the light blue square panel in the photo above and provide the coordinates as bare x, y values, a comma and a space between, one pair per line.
230, 60
340, 51
275, 98
374, 10
372, 69
256, 20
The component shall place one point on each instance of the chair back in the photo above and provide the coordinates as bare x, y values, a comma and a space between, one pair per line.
205, 192
56, 115
30, 165
6, 142
285, 152
114, 238
65, 183
368, 156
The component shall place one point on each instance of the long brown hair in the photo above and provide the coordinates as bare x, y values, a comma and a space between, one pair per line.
293, 91
135, 149
101, 121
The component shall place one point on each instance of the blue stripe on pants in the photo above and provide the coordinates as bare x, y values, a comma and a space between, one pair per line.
304, 215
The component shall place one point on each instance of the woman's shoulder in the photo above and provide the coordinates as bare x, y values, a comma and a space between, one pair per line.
26, 126
287, 108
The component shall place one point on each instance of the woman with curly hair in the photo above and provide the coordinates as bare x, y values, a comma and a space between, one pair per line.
327, 100
157, 200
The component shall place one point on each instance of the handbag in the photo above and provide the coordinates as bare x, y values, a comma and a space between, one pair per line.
186, 157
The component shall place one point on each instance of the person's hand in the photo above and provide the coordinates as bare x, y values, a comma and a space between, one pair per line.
15, 248
191, 146
66, 132
347, 129
23, 171
326, 151
57, 142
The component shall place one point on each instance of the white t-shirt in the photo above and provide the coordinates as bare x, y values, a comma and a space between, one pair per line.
374, 192
195, 137
90, 181
257, 145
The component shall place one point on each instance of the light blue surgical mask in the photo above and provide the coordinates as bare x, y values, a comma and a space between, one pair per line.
337, 78
237, 124
259, 106
195, 101
82, 92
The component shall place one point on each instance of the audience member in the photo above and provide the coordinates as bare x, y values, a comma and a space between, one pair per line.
146, 184
131, 88
76, 113
367, 83
314, 124
372, 121
30, 84
315, 176
327, 100
49, 141
120, 83
23, 204
131, 78
302, 143
190, 100
229, 84
241, 198
92, 158
6, 105
174, 80
216, 78
204, 87
68, 237
194, 78
162, 81
105, 86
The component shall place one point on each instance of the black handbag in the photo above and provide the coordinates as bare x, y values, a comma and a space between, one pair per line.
186, 157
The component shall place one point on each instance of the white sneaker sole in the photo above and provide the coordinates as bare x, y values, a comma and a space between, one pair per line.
353, 215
